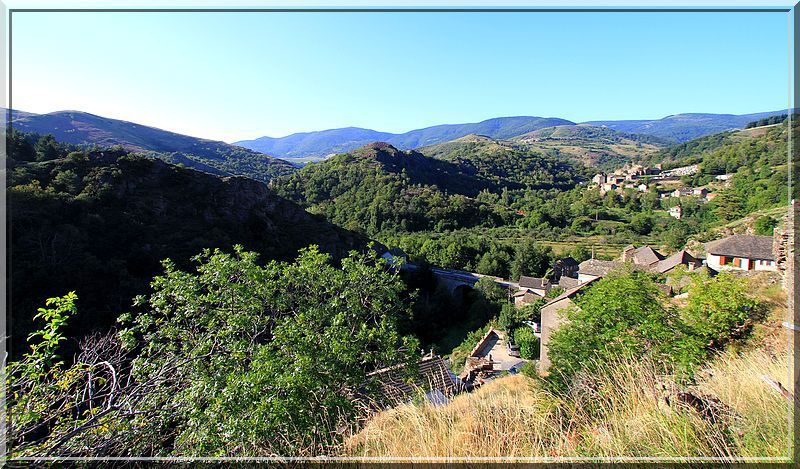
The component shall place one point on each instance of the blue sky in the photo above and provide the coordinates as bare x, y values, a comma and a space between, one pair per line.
233, 76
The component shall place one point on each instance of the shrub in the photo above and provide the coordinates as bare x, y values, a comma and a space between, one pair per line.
719, 309
528, 343
620, 317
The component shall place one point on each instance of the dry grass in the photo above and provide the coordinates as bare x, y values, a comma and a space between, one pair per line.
622, 414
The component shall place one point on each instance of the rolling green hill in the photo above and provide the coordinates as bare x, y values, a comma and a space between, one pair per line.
594, 146
323, 143
506, 164
380, 188
680, 128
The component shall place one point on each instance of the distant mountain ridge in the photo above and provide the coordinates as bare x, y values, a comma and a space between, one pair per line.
83, 128
677, 128
681, 128
327, 142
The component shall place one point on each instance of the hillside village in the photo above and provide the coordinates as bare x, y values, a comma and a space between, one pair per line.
666, 183
495, 355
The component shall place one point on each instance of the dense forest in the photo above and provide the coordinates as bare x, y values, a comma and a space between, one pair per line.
100, 223
378, 188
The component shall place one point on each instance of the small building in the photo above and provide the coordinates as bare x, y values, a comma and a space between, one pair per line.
593, 269
608, 187
723, 177
644, 256
525, 297
539, 286
676, 212
699, 192
490, 356
565, 267
552, 318
682, 192
741, 252
642, 187
599, 179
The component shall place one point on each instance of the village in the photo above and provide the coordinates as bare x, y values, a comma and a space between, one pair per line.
666, 183
495, 355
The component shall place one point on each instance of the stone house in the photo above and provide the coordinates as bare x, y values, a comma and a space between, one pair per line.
539, 286
593, 269
741, 252
565, 267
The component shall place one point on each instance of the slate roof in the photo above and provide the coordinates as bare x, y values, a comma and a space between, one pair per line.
646, 255
568, 283
533, 282
569, 293
528, 296
751, 247
597, 267
679, 258
433, 375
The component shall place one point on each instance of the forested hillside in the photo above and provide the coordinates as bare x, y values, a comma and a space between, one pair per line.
379, 188
100, 223
593, 146
81, 128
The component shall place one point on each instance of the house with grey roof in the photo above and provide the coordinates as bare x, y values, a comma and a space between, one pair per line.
568, 283
593, 269
644, 256
741, 252
525, 297
681, 257
539, 286
565, 267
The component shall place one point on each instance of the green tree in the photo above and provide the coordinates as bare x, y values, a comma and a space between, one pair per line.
530, 259
642, 223
729, 205
620, 316
765, 225
720, 309
276, 350
47, 148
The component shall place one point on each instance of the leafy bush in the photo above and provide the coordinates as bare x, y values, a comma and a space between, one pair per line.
620, 316
225, 358
720, 309
528, 343
765, 225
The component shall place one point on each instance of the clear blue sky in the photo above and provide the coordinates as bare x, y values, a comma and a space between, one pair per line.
233, 76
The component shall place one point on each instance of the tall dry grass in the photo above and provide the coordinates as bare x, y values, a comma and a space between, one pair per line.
623, 412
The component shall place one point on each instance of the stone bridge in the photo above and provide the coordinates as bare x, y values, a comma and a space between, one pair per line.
459, 279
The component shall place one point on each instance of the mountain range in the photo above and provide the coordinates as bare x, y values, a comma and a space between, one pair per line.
669, 130
596, 143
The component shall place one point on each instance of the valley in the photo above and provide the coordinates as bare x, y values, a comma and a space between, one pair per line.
387, 263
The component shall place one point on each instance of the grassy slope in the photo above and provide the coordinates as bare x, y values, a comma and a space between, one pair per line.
593, 146
628, 417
